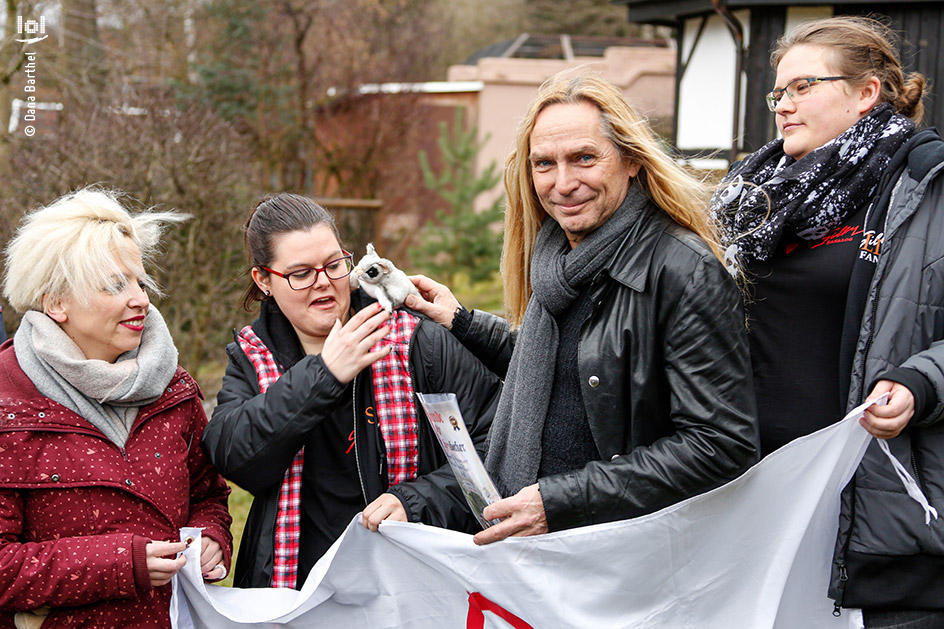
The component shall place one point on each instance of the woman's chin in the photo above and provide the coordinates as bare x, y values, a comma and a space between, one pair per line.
319, 323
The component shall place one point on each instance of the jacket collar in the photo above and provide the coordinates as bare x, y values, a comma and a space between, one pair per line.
276, 331
630, 264
920, 160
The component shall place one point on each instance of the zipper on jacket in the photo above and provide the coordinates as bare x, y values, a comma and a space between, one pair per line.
868, 341
874, 298
843, 574
843, 577
357, 456
914, 465
409, 366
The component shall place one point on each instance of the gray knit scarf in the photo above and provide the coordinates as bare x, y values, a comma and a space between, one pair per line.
557, 276
107, 395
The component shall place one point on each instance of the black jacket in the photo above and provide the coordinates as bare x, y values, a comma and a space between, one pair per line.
886, 556
253, 437
665, 379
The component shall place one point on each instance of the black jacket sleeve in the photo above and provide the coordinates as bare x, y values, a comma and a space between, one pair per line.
252, 437
442, 365
489, 338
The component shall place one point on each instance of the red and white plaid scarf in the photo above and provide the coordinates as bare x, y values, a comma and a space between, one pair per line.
288, 518
393, 397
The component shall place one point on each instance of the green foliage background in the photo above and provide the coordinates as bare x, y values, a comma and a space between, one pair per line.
461, 247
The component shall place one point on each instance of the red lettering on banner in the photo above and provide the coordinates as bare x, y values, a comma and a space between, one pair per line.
478, 605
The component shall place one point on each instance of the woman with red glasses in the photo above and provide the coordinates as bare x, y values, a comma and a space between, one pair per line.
838, 230
317, 415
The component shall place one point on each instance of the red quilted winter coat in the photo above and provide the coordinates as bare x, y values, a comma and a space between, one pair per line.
76, 511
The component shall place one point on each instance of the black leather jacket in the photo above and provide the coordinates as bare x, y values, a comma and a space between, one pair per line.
665, 375
252, 437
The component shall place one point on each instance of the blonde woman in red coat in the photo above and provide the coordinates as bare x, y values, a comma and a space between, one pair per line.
100, 457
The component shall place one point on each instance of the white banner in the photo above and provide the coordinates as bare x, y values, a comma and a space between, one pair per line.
754, 553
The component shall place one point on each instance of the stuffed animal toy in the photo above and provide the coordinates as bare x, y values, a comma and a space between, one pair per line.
382, 280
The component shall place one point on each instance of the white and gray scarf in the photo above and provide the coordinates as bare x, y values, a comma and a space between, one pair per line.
558, 275
107, 395
769, 192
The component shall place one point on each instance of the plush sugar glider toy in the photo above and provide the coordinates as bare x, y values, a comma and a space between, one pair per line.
382, 280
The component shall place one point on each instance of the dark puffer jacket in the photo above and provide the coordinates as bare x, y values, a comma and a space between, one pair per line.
665, 379
77, 511
253, 437
886, 556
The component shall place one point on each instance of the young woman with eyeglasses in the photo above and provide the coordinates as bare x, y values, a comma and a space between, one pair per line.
838, 230
317, 416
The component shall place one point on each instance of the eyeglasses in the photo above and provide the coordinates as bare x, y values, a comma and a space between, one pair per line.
800, 91
336, 269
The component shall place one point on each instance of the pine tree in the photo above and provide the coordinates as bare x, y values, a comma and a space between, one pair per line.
460, 241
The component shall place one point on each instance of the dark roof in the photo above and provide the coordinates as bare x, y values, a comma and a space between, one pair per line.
669, 12
527, 46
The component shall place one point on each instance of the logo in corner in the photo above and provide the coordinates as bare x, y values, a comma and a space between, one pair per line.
31, 27
871, 246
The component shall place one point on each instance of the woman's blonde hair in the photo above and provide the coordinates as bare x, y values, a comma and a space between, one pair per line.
670, 187
860, 48
71, 248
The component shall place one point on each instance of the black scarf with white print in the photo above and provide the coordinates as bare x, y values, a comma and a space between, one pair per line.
769, 193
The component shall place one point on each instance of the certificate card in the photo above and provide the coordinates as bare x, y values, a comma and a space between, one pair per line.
446, 419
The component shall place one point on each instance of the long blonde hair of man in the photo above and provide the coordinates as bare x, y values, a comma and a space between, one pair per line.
670, 187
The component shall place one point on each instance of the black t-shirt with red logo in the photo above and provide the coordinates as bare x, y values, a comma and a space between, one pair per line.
795, 321
331, 490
